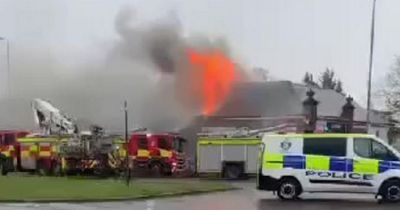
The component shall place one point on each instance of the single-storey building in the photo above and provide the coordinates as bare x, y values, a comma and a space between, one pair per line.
288, 107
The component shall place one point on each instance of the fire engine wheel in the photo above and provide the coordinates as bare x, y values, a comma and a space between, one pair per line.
102, 172
56, 169
232, 172
42, 170
156, 170
3, 168
6, 165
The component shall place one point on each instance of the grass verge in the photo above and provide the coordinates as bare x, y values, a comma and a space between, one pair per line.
61, 189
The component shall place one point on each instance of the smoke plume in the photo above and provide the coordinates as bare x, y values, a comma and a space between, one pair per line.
149, 66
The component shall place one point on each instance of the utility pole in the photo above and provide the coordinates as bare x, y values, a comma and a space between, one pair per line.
128, 170
8, 64
371, 56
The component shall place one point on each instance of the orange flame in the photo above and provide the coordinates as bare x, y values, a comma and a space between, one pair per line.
217, 74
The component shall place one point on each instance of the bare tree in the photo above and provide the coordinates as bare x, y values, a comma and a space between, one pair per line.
309, 80
392, 89
339, 86
327, 79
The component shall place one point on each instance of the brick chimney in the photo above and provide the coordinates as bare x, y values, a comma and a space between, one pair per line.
310, 111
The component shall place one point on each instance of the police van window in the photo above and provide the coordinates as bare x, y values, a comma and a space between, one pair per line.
368, 148
362, 147
142, 144
325, 146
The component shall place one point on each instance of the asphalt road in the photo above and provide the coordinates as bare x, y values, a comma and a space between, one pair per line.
246, 199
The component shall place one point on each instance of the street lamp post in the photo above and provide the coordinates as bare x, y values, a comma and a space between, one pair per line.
371, 56
128, 169
8, 63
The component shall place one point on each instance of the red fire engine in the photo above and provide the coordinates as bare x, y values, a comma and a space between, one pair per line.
158, 153
21, 153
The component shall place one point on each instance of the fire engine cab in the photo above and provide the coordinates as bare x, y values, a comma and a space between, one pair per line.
162, 153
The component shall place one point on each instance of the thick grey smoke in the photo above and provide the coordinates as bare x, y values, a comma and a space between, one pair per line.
146, 66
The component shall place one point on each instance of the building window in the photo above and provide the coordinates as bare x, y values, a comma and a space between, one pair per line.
325, 146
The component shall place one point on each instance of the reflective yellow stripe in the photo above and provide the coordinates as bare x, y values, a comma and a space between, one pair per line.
37, 140
44, 154
119, 141
316, 162
25, 154
366, 166
273, 161
143, 153
165, 153
26, 150
122, 153
54, 148
34, 148
6, 153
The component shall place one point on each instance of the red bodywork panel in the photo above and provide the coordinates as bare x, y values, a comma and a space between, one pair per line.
148, 149
152, 142
9, 138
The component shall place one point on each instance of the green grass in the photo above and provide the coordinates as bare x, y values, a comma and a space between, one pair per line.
15, 188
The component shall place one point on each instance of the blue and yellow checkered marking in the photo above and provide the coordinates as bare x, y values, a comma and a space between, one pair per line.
294, 161
325, 163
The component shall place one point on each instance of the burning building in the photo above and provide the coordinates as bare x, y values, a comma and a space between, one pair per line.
288, 107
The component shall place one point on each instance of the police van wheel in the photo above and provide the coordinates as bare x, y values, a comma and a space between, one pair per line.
390, 191
289, 189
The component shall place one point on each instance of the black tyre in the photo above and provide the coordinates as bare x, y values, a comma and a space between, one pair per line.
166, 170
56, 169
3, 169
156, 170
390, 191
4, 166
232, 172
289, 189
41, 169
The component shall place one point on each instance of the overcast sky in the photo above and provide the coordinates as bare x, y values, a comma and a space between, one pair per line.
288, 37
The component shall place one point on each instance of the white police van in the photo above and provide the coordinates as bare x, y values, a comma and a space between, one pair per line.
351, 163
